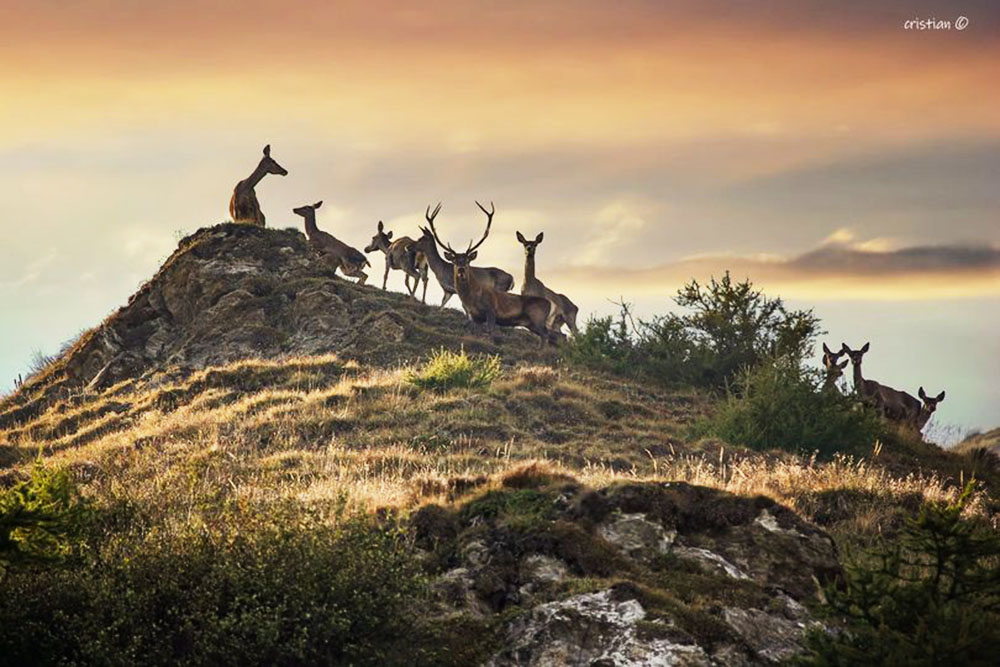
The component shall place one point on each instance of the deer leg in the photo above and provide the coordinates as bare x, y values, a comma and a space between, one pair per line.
447, 295
423, 297
491, 321
385, 277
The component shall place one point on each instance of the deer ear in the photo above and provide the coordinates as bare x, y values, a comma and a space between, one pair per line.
472, 255
449, 255
267, 150
388, 235
940, 397
921, 394
826, 350
844, 365
865, 348
538, 239
844, 348
380, 225
318, 204
520, 238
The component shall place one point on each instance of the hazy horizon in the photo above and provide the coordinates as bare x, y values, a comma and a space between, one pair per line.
835, 157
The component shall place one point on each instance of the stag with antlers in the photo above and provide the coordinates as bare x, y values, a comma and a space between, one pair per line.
444, 271
485, 304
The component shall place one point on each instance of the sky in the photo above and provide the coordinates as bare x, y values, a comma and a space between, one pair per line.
830, 152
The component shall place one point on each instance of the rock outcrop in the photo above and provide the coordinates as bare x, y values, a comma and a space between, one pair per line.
633, 574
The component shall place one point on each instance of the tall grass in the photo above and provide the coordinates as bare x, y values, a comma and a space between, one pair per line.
451, 370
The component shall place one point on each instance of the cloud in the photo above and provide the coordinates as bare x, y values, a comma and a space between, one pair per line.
841, 267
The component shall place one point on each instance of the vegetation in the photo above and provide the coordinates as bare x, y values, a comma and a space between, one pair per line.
778, 405
39, 518
450, 370
929, 597
728, 326
279, 590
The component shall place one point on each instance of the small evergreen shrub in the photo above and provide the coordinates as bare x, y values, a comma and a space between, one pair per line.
39, 518
451, 370
930, 597
727, 326
781, 406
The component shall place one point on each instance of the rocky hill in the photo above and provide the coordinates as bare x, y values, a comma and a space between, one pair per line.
246, 400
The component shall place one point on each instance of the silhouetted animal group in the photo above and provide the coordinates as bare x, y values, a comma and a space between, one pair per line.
484, 291
892, 404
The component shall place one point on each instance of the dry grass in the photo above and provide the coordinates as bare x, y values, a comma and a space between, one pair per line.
322, 433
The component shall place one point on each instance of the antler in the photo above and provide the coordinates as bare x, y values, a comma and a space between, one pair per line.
489, 221
430, 219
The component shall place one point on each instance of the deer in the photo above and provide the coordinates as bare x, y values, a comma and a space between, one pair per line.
923, 415
563, 310
402, 256
444, 270
243, 206
894, 405
834, 370
349, 260
485, 304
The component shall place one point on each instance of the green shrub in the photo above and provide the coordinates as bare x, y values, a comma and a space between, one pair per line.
781, 406
727, 326
449, 370
39, 518
285, 593
930, 597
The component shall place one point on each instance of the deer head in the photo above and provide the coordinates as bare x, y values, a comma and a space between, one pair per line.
529, 246
307, 211
269, 165
930, 404
381, 240
855, 355
834, 370
461, 260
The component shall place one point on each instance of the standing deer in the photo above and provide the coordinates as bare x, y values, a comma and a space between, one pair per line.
895, 405
349, 260
243, 206
489, 306
563, 310
444, 271
834, 370
402, 256
923, 415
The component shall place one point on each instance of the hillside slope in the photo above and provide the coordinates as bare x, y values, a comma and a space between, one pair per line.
245, 400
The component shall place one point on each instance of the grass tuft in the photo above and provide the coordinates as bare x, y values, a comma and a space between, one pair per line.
451, 370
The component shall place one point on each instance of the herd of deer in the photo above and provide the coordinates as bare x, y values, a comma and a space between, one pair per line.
486, 297
896, 406
484, 291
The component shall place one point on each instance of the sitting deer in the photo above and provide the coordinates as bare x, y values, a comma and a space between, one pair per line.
243, 206
444, 271
894, 405
563, 310
483, 303
402, 256
834, 370
923, 415
349, 260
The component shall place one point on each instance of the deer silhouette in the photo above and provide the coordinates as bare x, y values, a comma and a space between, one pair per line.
834, 370
486, 305
563, 310
243, 206
349, 260
401, 255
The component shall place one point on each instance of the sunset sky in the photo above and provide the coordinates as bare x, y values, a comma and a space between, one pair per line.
822, 149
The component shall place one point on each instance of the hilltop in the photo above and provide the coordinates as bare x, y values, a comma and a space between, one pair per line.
267, 484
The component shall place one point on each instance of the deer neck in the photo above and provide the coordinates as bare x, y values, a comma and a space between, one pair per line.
435, 261
258, 174
529, 269
859, 381
311, 227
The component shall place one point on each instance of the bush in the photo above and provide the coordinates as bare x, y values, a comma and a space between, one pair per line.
449, 370
286, 593
39, 518
729, 326
931, 597
781, 406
